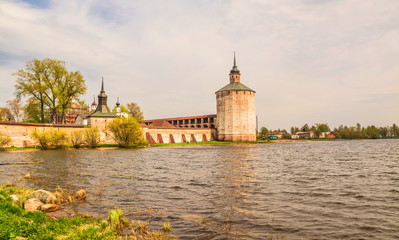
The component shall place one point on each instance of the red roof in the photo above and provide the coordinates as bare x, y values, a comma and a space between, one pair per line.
160, 124
182, 118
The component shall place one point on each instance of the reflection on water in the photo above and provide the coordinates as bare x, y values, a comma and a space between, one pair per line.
311, 190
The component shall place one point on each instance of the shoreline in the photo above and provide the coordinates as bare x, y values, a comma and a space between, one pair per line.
63, 222
190, 144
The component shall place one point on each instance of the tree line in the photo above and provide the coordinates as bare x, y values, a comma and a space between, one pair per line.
341, 132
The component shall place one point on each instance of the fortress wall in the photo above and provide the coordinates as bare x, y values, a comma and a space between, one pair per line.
21, 133
179, 135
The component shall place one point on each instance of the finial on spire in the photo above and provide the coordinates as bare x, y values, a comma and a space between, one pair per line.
117, 102
235, 65
102, 84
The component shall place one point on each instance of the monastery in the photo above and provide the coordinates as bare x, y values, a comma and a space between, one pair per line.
235, 120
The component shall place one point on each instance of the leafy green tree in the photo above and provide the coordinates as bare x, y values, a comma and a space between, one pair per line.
92, 136
395, 130
323, 127
50, 138
383, 131
50, 83
305, 128
30, 83
135, 111
123, 109
294, 130
32, 111
126, 131
77, 138
263, 131
372, 132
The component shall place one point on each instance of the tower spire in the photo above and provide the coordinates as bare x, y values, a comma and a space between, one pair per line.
235, 70
235, 65
102, 84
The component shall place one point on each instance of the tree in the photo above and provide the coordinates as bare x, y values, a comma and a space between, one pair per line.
323, 127
395, 130
135, 111
32, 111
372, 132
50, 138
15, 108
4, 140
383, 131
92, 136
305, 128
123, 109
49, 82
263, 131
126, 131
5, 114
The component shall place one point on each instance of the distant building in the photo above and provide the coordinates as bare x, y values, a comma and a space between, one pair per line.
331, 135
294, 136
278, 134
73, 111
305, 134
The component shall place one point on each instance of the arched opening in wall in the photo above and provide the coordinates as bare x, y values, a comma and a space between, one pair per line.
205, 125
192, 126
198, 126
186, 126
212, 125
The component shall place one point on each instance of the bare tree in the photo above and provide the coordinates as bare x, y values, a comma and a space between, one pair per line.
15, 109
135, 111
5, 114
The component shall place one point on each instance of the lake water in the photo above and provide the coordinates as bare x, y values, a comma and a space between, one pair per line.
309, 190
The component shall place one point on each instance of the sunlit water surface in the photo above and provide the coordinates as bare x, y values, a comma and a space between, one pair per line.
310, 190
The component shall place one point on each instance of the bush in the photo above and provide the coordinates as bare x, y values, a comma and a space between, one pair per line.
92, 136
4, 140
126, 131
77, 138
51, 138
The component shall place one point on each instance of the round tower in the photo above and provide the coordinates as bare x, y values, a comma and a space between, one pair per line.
236, 117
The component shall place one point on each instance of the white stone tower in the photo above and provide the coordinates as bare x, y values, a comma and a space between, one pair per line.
236, 117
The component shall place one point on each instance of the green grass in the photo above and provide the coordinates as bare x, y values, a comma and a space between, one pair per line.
16, 223
205, 143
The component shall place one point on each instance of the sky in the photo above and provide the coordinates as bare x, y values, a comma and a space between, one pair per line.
309, 61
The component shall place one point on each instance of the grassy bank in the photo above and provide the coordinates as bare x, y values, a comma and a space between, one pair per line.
16, 223
204, 143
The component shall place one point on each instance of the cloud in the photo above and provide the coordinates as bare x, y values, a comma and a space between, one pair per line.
309, 61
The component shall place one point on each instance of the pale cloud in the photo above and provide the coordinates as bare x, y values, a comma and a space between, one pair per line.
309, 61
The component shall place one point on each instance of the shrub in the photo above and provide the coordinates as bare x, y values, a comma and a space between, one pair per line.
4, 140
92, 136
77, 138
126, 131
51, 138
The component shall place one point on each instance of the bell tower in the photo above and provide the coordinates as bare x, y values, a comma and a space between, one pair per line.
102, 100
